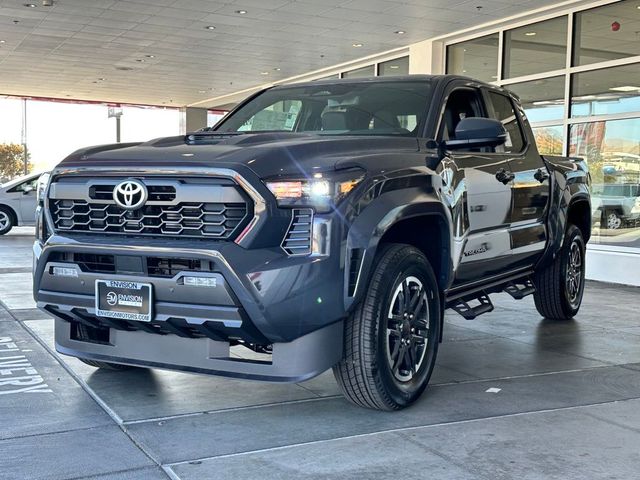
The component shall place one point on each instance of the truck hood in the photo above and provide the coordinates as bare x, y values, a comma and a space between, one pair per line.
266, 154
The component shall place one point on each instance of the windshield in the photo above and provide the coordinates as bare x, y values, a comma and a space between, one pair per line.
367, 108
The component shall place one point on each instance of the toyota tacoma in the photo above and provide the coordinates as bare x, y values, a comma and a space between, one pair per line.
318, 225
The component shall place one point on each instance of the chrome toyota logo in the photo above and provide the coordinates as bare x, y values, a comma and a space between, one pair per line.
130, 194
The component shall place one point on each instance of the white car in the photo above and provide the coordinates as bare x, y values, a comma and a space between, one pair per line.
18, 202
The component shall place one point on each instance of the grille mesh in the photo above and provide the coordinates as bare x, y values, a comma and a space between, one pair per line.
210, 220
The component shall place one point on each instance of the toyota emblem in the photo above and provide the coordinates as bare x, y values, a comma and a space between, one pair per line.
130, 194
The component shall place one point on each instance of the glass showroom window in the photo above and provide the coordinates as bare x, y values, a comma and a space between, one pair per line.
398, 66
368, 71
608, 91
477, 58
606, 33
549, 139
612, 149
542, 100
535, 48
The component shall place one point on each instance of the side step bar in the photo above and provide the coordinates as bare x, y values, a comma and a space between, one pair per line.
461, 305
518, 286
519, 289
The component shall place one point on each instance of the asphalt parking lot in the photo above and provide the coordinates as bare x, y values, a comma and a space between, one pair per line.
513, 397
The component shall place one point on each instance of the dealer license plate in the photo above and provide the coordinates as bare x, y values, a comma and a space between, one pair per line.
123, 300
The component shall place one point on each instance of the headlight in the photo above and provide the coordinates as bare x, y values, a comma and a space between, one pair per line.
322, 191
41, 190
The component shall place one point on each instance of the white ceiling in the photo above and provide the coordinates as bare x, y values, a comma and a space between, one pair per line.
100, 49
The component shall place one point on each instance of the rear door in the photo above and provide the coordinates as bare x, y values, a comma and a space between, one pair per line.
484, 244
530, 186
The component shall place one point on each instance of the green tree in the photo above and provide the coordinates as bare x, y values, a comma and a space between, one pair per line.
12, 161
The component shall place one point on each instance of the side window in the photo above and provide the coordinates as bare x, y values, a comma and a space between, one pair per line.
461, 103
281, 116
504, 111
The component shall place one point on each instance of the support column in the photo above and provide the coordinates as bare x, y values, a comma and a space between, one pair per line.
193, 119
426, 57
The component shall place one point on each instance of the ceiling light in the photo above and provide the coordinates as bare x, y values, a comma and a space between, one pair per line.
394, 66
2, 41
241, 12
102, 79
202, 91
276, 69
400, 32
357, 45
625, 88
210, 27
530, 34
150, 56
141, 60
264, 73
29, 5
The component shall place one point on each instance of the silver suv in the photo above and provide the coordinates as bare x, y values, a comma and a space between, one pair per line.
18, 202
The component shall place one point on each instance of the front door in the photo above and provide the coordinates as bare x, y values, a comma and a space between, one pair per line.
484, 245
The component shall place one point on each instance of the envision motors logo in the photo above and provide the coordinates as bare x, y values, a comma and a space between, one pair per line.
112, 298
130, 194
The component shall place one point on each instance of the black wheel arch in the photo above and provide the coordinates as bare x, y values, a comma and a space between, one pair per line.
422, 222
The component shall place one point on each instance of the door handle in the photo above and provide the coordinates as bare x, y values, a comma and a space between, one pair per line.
505, 176
541, 175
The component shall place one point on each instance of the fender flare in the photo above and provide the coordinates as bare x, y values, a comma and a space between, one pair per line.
379, 217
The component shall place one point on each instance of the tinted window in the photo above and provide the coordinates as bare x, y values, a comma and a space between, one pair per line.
477, 58
345, 108
504, 111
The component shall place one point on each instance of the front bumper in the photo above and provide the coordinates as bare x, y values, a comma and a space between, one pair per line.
263, 298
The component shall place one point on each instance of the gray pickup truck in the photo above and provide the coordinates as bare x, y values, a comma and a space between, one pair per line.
318, 225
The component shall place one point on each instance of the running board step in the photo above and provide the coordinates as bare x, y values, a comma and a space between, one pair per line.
461, 305
520, 288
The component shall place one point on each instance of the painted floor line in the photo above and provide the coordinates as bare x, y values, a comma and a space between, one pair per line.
396, 430
114, 416
109, 411
169, 472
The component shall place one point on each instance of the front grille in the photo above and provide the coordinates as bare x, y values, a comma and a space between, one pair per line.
298, 238
212, 208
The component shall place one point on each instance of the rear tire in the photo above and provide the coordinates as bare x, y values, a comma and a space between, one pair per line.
391, 339
560, 285
83, 334
7, 220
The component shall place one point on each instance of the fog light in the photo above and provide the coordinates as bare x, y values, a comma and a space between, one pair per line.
200, 281
64, 272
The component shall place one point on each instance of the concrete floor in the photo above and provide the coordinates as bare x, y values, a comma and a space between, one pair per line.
568, 405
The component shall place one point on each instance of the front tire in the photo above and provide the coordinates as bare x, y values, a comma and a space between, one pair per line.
560, 285
7, 220
391, 339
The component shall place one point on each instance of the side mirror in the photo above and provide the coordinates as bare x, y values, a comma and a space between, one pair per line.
27, 189
473, 132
